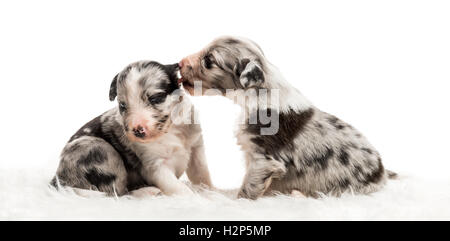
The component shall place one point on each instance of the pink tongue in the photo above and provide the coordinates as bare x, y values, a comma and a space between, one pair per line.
180, 81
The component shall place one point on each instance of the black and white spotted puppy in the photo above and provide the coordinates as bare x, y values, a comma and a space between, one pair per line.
141, 143
310, 151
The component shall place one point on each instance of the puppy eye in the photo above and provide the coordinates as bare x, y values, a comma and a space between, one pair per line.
122, 107
157, 98
207, 61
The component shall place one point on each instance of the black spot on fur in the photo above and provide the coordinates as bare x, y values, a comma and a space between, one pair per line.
375, 176
340, 127
171, 71
290, 163
344, 157
209, 61
319, 126
157, 98
232, 41
334, 121
72, 147
229, 66
352, 145
99, 179
169, 87
291, 124
148, 64
95, 156
323, 160
367, 150
241, 65
163, 119
358, 173
344, 183
320, 161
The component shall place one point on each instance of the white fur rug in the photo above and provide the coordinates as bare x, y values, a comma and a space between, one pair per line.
25, 195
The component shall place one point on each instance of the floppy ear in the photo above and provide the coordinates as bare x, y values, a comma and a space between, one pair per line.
250, 74
113, 89
171, 71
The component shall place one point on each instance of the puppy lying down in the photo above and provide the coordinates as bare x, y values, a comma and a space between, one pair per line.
302, 149
141, 143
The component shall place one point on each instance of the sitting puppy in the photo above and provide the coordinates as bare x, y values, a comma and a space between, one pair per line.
310, 151
137, 144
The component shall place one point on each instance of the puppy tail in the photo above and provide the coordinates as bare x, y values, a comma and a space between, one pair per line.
392, 175
55, 183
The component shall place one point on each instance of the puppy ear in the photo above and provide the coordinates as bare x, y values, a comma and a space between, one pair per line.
172, 71
113, 89
250, 73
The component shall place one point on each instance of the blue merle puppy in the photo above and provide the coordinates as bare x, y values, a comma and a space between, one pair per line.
145, 141
310, 151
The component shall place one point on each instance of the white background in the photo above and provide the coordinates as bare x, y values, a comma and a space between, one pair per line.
383, 66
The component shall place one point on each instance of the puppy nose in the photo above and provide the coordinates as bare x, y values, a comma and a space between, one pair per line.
139, 132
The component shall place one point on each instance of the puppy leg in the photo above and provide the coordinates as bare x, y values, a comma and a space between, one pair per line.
197, 170
259, 177
164, 178
93, 164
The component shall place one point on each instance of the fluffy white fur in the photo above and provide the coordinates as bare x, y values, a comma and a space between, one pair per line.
25, 195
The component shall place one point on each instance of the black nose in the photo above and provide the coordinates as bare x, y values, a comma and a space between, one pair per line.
139, 132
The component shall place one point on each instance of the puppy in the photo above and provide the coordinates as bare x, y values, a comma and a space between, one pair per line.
302, 148
139, 143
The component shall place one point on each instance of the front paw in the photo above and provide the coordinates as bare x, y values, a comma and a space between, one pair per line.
186, 192
245, 194
181, 190
146, 192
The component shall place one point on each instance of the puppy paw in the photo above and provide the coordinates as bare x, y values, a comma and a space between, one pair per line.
297, 194
245, 194
146, 192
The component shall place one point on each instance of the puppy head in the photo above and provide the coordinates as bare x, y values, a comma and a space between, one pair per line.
226, 63
146, 92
